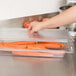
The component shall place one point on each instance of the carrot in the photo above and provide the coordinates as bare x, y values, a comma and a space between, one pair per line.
1, 46
52, 44
31, 53
18, 47
49, 43
36, 47
22, 43
31, 45
14, 46
28, 53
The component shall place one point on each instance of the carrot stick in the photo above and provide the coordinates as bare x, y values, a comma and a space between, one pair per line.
36, 47
30, 53
22, 43
52, 44
14, 46
31, 45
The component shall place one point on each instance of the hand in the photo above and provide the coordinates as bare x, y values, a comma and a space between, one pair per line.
36, 26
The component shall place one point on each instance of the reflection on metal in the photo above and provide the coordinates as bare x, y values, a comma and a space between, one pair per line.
30, 66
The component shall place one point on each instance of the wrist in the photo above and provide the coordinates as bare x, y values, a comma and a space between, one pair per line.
47, 25
44, 25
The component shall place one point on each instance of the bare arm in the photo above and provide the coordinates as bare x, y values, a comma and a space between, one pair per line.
66, 17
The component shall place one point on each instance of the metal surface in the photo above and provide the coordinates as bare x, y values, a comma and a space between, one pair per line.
28, 66
11, 23
71, 2
65, 7
72, 27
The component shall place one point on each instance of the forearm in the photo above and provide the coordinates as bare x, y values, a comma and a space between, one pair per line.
66, 17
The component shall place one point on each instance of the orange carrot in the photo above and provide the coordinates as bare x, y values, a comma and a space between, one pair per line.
28, 53
36, 47
22, 43
52, 44
31, 45
14, 46
31, 53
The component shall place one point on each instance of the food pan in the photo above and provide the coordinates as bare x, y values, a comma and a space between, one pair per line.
61, 37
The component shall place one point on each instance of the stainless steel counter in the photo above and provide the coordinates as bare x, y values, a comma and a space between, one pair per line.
29, 66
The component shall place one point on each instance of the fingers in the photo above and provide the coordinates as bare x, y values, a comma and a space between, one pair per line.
32, 27
33, 31
35, 26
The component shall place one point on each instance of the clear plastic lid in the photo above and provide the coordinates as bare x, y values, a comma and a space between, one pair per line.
20, 34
